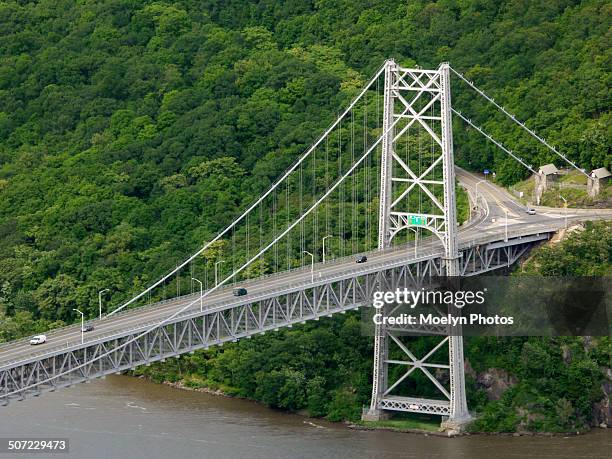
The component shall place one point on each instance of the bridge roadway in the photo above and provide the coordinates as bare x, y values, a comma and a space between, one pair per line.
488, 226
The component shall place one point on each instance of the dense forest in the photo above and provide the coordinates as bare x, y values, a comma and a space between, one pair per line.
132, 131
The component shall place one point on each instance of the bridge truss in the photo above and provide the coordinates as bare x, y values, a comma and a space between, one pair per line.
230, 321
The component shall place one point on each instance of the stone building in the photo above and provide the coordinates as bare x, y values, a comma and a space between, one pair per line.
547, 175
597, 179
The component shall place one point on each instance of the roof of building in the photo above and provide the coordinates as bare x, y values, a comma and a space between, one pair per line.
548, 169
600, 173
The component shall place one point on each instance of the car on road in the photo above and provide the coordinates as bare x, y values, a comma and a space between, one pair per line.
530, 211
38, 339
361, 259
240, 291
88, 327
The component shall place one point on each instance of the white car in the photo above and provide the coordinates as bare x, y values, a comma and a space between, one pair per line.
38, 339
530, 211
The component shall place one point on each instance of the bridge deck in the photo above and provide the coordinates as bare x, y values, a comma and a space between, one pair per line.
131, 320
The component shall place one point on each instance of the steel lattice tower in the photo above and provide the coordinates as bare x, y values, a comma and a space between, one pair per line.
418, 99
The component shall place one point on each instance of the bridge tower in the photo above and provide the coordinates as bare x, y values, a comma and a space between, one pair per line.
420, 100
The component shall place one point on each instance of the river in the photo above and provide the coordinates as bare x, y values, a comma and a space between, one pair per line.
124, 417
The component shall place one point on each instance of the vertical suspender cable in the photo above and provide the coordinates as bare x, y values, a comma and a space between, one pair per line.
378, 149
261, 235
327, 201
341, 188
353, 185
274, 227
366, 176
301, 199
248, 233
315, 219
288, 220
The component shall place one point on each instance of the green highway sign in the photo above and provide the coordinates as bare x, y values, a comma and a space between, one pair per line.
417, 220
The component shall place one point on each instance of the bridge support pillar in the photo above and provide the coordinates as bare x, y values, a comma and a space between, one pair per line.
381, 342
460, 415
374, 415
379, 375
421, 100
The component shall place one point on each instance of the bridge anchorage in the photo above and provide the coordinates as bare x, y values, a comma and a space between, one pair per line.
293, 250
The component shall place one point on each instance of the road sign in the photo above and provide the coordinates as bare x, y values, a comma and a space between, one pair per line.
417, 220
487, 172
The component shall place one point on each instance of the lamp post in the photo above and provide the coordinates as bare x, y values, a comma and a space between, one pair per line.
311, 265
82, 324
416, 240
565, 205
100, 300
329, 235
201, 292
506, 225
216, 271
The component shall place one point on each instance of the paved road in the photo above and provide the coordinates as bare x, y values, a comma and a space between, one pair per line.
490, 224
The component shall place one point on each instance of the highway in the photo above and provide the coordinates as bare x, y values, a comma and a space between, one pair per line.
487, 226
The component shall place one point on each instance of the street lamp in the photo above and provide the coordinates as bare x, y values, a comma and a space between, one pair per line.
100, 300
311, 265
199, 282
216, 273
416, 240
329, 235
565, 205
82, 324
506, 225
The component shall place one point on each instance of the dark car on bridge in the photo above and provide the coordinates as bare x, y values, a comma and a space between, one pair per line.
361, 259
239, 291
88, 327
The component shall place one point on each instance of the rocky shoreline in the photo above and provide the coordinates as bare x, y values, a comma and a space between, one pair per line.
181, 385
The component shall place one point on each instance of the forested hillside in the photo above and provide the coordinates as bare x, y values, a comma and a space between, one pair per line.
132, 131
114, 115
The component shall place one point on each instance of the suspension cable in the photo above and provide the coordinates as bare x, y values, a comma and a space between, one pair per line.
522, 125
520, 160
276, 184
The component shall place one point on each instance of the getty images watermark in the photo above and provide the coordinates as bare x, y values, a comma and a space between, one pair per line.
434, 298
495, 306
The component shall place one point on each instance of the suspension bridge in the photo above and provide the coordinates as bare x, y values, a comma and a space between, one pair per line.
380, 181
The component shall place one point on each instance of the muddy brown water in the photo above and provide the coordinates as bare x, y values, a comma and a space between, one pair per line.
124, 417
